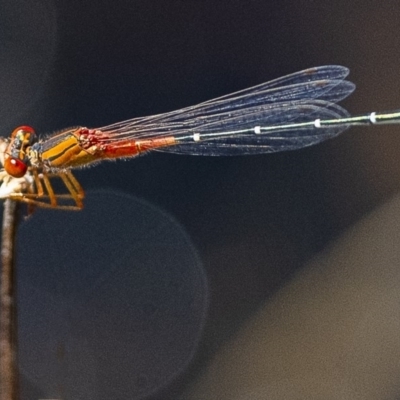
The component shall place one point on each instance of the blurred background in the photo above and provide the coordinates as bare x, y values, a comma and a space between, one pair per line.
250, 224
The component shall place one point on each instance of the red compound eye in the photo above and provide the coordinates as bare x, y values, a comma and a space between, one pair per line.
25, 129
15, 167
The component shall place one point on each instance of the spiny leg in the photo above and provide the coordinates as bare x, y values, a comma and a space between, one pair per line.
37, 184
37, 196
73, 187
50, 191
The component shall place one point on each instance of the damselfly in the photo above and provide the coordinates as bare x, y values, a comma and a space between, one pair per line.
288, 113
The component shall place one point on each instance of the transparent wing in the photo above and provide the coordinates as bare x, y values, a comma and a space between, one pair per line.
299, 97
244, 140
325, 82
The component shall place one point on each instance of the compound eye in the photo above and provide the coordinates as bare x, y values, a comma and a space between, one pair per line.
23, 134
15, 167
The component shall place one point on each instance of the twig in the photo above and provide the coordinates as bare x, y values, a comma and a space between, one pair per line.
8, 337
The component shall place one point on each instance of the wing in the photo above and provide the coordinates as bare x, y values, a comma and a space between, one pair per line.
226, 124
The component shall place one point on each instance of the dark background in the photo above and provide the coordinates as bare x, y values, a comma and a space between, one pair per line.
253, 220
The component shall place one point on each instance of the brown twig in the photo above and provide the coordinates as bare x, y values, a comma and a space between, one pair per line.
8, 337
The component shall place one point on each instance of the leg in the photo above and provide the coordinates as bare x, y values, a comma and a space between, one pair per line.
43, 196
